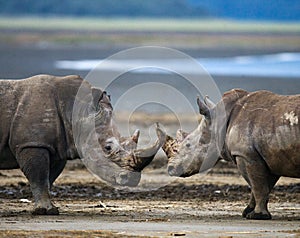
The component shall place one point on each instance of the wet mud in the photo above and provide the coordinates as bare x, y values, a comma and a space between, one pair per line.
207, 206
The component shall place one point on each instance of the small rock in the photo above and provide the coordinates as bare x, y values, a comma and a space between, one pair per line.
25, 200
101, 205
177, 234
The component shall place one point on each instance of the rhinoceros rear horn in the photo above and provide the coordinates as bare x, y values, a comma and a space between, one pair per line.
171, 144
170, 147
180, 135
135, 136
143, 157
130, 143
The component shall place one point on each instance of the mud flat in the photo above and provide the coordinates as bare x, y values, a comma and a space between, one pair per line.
206, 206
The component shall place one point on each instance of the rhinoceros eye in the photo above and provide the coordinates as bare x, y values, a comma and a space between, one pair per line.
108, 145
107, 148
188, 145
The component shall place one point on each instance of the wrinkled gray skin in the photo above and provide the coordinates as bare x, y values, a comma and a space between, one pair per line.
260, 133
36, 135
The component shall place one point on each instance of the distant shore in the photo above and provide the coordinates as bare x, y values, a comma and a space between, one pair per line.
129, 32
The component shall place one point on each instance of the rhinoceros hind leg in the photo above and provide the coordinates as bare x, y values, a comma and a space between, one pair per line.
257, 174
242, 168
261, 191
35, 162
56, 169
39, 211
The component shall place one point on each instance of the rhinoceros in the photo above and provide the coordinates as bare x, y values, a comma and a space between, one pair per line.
36, 134
259, 131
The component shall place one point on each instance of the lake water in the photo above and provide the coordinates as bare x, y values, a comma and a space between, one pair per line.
278, 72
285, 65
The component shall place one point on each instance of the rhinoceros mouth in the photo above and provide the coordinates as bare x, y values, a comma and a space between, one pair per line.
178, 171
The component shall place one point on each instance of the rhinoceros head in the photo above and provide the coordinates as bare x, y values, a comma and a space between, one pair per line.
187, 151
199, 151
113, 158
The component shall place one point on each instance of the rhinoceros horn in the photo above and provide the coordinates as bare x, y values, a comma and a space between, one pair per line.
180, 135
170, 147
137, 159
142, 157
171, 144
130, 143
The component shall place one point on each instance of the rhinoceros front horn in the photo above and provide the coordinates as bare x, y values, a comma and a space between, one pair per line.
143, 157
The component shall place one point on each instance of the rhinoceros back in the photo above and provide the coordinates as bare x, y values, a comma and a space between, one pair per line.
269, 124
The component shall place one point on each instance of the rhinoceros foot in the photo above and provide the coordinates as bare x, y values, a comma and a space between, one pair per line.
247, 210
44, 211
259, 216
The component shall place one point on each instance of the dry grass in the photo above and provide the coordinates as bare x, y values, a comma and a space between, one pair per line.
183, 32
145, 24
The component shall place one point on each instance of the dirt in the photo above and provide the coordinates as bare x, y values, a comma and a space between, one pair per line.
207, 206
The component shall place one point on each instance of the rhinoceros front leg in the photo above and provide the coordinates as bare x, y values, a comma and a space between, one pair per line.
257, 174
35, 164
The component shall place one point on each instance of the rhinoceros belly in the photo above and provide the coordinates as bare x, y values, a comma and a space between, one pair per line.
7, 159
7, 108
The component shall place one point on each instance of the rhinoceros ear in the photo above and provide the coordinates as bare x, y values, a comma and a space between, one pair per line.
97, 96
104, 101
100, 99
103, 111
203, 109
101, 102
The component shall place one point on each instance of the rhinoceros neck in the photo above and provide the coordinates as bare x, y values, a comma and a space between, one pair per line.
222, 115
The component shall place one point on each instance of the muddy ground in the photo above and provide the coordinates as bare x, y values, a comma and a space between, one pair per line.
206, 206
